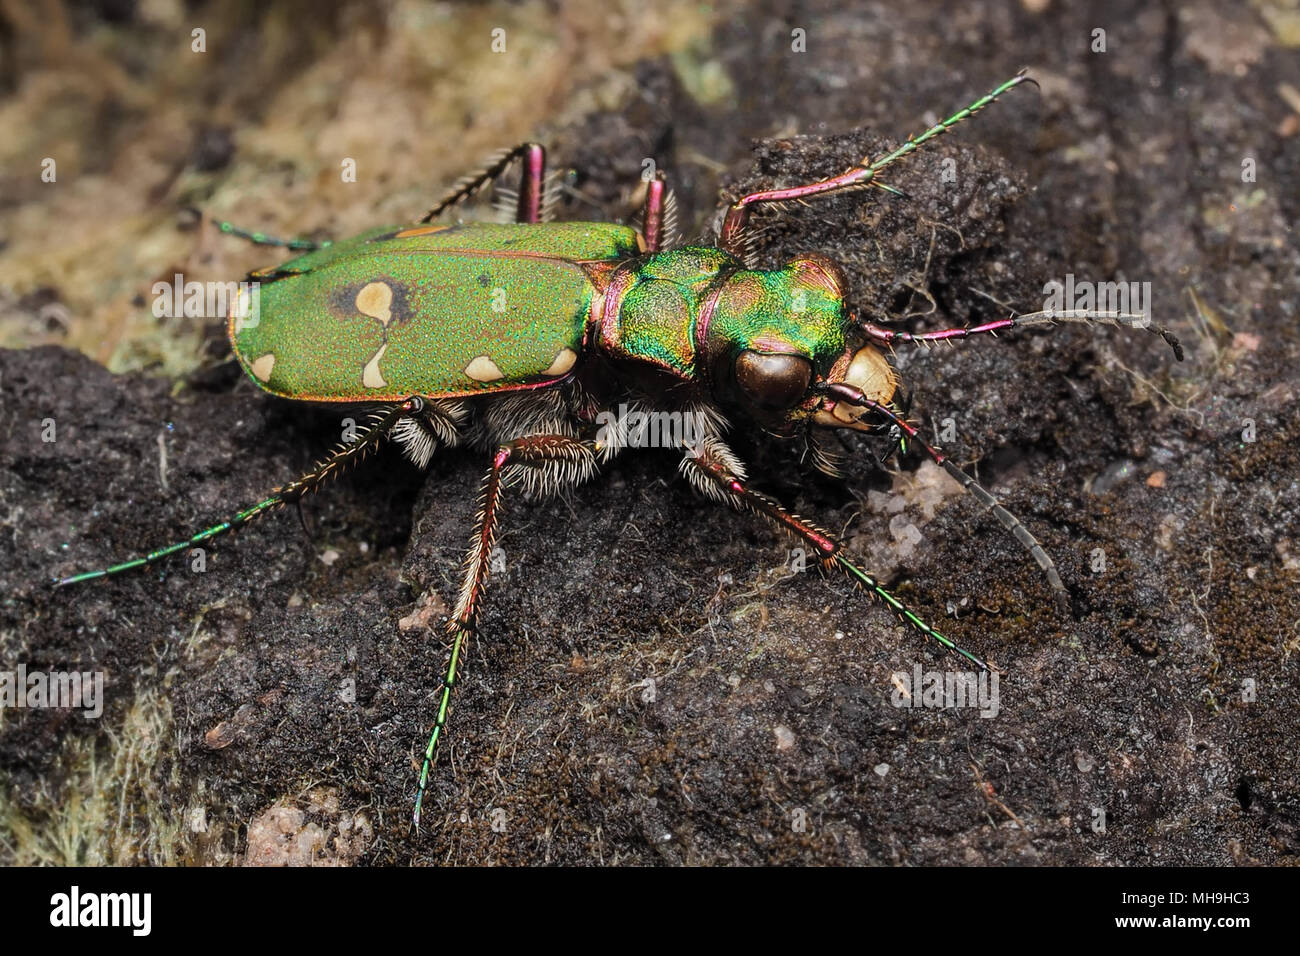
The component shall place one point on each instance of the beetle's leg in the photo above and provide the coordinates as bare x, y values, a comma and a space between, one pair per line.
293, 491
860, 176
853, 396
529, 451
262, 239
531, 192
439, 423
530, 186
652, 219
714, 470
888, 336
659, 218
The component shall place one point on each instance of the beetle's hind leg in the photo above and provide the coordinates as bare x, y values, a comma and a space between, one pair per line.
294, 491
258, 238
511, 458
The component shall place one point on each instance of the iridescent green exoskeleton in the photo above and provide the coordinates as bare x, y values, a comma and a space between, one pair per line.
541, 342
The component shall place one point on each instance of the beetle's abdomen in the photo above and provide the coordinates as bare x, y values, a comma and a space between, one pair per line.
431, 311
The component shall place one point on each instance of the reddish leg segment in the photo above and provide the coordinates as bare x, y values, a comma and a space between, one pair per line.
653, 221
530, 184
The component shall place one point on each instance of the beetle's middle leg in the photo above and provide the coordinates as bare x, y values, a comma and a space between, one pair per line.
531, 451
714, 470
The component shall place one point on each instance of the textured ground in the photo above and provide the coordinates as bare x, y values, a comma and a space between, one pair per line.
653, 682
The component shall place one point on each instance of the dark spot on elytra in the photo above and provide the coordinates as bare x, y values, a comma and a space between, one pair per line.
485, 280
342, 301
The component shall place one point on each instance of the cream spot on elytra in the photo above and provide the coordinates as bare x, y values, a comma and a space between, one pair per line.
419, 231
563, 362
262, 367
376, 300
370, 376
483, 369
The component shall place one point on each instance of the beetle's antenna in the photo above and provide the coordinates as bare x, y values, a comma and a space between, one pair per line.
843, 392
938, 129
1119, 319
292, 492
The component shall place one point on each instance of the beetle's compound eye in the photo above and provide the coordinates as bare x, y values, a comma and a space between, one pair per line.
772, 381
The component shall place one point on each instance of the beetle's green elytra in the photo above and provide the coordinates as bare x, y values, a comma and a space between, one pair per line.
523, 339
435, 311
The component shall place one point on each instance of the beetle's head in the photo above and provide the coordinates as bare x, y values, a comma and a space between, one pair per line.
783, 350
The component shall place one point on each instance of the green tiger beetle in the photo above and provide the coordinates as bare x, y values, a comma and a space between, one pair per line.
516, 338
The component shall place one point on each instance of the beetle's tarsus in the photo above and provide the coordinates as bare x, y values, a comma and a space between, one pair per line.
262, 239
710, 467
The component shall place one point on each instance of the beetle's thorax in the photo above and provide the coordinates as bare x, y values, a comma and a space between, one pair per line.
653, 307
686, 310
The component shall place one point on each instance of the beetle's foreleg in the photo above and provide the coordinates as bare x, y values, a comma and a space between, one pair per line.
530, 186
293, 491
529, 451
713, 469
853, 396
861, 176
